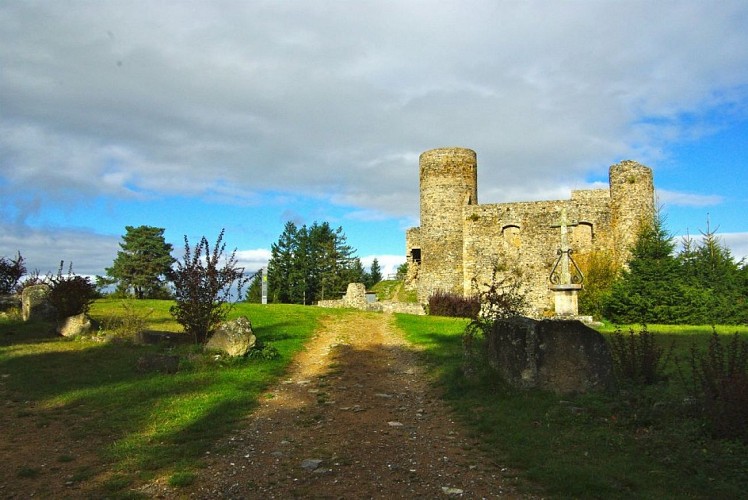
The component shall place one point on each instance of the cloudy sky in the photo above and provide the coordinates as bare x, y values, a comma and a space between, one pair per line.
196, 116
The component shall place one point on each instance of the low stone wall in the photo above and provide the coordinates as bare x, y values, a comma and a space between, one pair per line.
389, 307
355, 298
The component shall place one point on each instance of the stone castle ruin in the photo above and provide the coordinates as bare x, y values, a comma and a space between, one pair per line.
459, 242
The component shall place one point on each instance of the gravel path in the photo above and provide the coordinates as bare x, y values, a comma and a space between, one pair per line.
355, 418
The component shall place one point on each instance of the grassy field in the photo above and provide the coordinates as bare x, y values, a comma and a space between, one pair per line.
155, 423
638, 443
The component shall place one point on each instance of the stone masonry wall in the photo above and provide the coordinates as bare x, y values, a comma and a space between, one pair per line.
518, 238
448, 179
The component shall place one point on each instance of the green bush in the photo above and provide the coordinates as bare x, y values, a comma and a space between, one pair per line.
70, 295
11, 271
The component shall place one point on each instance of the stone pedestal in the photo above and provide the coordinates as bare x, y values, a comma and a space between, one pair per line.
566, 299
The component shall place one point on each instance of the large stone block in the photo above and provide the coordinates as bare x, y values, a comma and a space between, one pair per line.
556, 355
79, 324
35, 305
234, 338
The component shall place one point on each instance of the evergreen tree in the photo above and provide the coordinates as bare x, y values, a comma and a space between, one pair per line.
254, 292
650, 290
357, 274
310, 263
143, 266
281, 265
713, 285
375, 272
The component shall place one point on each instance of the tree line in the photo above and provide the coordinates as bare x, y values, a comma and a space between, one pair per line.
313, 263
307, 264
700, 284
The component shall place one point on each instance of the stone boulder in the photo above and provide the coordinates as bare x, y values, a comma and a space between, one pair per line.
556, 355
80, 324
234, 338
35, 305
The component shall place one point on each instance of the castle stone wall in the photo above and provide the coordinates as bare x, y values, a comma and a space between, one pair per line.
460, 244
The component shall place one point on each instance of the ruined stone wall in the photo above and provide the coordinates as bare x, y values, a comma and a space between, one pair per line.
521, 238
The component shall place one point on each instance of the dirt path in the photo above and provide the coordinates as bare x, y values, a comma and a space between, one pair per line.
355, 418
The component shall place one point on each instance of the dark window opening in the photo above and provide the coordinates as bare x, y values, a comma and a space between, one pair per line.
415, 255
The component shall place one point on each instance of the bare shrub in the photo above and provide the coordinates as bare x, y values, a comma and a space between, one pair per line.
70, 294
11, 272
504, 296
637, 357
454, 305
203, 287
720, 384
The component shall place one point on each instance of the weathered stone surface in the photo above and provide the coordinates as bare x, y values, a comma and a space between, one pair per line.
8, 302
34, 304
561, 356
355, 296
161, 363
79, 324
234, 338
459, 241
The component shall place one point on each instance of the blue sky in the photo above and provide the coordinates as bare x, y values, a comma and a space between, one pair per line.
198, 116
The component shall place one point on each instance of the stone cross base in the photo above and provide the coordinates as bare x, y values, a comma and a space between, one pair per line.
566, 299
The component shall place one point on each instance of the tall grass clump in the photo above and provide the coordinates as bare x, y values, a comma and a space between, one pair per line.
719, 382
637, 357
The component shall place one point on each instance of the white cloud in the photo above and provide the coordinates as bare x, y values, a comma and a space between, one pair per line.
42, 251
387, 263
737, 243
189, 98
687, 199
253, 260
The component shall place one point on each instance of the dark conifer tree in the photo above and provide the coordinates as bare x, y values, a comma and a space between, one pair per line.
143, 266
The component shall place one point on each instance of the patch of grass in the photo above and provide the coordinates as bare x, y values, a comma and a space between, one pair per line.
152, 422
644, 442
182, 479
28, 472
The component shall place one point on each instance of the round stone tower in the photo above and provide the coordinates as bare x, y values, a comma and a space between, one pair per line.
449, 181
632, 204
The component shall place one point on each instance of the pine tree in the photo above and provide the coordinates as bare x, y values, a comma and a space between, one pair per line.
310, 264
281, 265
713, 284
650, 290
375, 272
143, 266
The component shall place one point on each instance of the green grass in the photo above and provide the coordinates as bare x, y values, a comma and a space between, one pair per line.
148, 423
639, 443
394, 290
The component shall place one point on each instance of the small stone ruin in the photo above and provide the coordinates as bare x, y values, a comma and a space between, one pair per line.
356, 297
